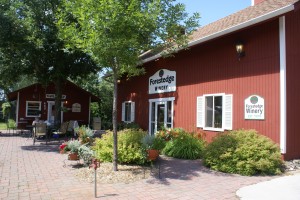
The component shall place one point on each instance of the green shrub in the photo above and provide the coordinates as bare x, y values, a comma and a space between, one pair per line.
184, 145
85, 134
131, 125
169, 134
243, 152
129, 147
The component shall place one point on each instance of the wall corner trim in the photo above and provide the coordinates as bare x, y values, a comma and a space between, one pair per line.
282, 53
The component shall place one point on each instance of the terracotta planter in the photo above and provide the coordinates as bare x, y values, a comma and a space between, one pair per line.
73, 156
152, 154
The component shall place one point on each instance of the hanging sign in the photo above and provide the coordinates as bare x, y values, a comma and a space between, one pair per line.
255, 108
162, 81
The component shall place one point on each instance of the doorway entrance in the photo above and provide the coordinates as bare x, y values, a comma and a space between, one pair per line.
160, 114
51, 112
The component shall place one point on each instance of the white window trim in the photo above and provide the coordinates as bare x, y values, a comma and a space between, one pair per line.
210, 128
162, 99
132, 118
40, 104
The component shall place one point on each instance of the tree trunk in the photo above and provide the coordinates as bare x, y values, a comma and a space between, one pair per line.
58, 95
115, 112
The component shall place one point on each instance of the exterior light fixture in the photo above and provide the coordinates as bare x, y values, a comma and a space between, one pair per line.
240, 49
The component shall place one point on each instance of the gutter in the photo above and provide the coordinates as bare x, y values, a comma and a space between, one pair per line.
251, 22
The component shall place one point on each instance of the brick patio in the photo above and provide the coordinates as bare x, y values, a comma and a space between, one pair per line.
37, 172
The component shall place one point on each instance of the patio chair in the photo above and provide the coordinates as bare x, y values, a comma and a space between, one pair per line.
62, 131
40, 131
73, 124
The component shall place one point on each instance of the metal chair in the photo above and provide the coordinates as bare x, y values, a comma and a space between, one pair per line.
39, 131
61, 131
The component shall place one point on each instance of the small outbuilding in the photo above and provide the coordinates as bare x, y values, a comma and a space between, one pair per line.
39, 101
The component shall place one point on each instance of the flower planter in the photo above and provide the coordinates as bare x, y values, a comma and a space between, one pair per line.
73, 156
152, 154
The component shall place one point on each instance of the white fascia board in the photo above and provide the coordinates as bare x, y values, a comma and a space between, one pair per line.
251, 22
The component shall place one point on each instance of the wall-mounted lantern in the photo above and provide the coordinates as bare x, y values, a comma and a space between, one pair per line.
240, 49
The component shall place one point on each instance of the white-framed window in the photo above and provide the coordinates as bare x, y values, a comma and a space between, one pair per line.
33, 108
128, 110
214, 112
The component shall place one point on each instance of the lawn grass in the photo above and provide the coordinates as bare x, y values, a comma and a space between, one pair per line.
2, 126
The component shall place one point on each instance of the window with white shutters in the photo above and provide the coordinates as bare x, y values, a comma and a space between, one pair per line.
128, 110
214, 112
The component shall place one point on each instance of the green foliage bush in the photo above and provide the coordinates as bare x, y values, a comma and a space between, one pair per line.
85, 134
184, 145
123, 125
243, 152
86, 154
153, 142
129, 147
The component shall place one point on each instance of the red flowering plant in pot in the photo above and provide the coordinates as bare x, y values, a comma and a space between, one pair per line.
63, 148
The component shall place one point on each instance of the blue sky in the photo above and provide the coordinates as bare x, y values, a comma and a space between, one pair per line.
212, 10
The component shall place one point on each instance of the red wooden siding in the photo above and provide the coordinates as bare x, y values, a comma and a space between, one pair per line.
211, 68
293, 84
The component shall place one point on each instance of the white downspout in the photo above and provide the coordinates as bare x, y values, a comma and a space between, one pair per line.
282, 47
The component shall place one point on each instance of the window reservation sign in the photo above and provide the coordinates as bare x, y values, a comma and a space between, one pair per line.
162, 81
255, 108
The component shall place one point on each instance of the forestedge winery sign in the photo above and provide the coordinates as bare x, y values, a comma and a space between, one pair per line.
162, 81
255, 108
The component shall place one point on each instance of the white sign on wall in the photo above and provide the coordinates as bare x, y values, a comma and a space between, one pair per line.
76, 107
255, 108
162, 81
52, 96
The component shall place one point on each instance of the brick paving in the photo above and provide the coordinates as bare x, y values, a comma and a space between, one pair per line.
37, 172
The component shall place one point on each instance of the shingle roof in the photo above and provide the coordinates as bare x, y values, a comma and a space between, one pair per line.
240, 17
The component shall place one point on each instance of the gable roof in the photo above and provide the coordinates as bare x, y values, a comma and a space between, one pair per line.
13, 95
251, 15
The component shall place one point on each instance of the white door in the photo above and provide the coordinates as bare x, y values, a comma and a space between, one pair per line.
51, 112
160, 114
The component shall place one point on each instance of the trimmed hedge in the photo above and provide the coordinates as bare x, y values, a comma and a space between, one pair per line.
243, 152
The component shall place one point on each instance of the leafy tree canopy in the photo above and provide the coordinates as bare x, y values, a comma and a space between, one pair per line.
116, 32
29, 45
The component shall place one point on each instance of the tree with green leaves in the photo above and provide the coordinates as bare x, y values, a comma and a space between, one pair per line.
116, 32
104, 89
29, 45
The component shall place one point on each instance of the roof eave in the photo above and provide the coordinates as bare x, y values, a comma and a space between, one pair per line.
248, 23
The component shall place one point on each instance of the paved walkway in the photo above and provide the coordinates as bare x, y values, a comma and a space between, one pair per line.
30, 171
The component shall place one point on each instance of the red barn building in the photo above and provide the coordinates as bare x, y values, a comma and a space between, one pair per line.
38, 101
212, 87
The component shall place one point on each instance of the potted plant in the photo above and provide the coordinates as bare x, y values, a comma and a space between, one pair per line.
148, 143
73, 146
